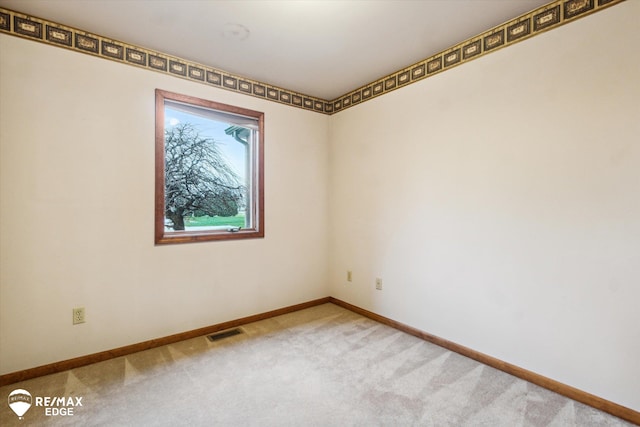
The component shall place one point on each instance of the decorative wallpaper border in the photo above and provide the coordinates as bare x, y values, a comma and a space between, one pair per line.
552, 15
37, 29
544, 18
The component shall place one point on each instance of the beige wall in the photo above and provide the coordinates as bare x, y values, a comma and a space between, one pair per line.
500, 204
498, 201
77, 205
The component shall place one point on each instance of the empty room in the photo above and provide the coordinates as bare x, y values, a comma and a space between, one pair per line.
320, 213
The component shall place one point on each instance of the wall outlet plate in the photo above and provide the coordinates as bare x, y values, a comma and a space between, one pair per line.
78, 315
379, 284
349, 276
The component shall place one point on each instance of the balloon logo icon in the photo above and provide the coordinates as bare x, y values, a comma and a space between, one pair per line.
20, 401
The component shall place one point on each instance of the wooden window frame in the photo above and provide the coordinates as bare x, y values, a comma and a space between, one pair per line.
256, 157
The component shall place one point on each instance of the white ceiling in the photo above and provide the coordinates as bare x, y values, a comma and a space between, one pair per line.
322, 48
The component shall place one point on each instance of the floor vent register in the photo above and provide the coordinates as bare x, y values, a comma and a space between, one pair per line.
225, 334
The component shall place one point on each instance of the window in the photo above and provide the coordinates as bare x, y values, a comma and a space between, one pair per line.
209, 170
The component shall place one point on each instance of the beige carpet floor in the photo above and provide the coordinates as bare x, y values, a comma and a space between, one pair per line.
323, 366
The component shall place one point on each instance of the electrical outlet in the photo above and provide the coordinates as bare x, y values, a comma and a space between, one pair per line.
379, 284
349, 276
78, 315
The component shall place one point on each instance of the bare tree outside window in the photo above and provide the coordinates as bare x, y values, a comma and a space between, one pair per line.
198, 180
209, 160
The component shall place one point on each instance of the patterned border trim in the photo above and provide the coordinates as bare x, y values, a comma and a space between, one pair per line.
54, 34
552, 15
